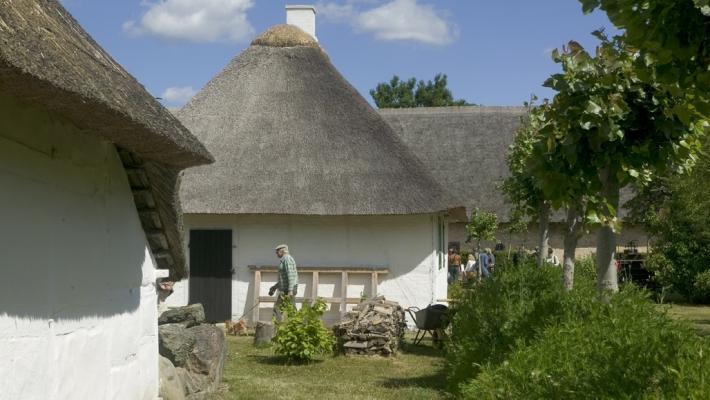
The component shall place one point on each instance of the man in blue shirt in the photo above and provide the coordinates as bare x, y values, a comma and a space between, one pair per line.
484, 262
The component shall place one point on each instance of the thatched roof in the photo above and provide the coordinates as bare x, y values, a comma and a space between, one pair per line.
463, 147
291, 136
48, 60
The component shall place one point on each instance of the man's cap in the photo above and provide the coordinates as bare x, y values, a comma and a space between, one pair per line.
281, 246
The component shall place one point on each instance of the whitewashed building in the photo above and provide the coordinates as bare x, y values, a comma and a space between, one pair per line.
89, 165
303, 159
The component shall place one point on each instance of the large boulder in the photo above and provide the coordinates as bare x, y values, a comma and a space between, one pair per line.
207, 357
193, 383
189, 316
197, 355
175, 342
171, 384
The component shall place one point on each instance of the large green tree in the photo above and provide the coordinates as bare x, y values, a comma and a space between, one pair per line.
519, 188
673, 41
609, 128
528, 162
408, 93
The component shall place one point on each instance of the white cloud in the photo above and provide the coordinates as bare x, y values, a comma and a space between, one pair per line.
178, 95
403, 20
334, 12
195, 21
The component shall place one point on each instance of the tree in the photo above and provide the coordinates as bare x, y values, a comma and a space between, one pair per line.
673, 39
408, 94
681, 233
520, 188
481, 226
395, 94
518, 223
609, 129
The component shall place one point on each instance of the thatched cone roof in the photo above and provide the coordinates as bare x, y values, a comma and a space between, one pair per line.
49, 61
291, 136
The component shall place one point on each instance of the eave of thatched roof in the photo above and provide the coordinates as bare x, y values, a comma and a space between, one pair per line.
291, 136
464, 148
48, 60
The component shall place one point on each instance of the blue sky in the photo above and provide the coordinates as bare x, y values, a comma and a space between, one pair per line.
495, 52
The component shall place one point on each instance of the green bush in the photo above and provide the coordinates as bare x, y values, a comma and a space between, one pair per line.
680, 231
586, 269
624, 348
508, 310
302, 336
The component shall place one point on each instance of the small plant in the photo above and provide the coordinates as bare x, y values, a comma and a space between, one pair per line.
482, 226
302, 336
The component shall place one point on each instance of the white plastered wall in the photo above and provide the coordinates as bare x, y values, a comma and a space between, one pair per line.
77, 301
409, 246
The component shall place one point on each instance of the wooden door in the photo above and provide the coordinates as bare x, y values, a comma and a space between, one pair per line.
211, 272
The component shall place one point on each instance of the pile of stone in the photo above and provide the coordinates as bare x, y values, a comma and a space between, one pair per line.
374, 327
192, 354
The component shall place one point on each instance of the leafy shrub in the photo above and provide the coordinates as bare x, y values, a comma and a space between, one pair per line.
586, 269
625, 348
680, 230
302, 336
508, 310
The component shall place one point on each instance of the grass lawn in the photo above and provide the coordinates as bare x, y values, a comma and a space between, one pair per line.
252, 373
416, 373
698, 315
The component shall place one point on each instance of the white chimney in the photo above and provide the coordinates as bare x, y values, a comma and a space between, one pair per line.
303, 17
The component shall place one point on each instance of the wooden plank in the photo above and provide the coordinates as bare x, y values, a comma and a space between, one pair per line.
328, 300
343, 293
257, 299
373, 284
357, 270
314, 286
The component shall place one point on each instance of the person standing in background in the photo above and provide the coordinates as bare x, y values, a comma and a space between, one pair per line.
454, 265
287, 285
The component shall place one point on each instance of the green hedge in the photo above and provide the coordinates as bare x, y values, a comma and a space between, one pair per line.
511, 308
520, 335
623, 349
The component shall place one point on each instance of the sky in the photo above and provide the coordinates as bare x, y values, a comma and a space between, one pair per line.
494, 52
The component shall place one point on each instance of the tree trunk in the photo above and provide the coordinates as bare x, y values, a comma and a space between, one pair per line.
544, 239
607, 278
571, 237
510, 243
265, 331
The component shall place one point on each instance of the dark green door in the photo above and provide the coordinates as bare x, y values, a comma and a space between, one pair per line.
211, 272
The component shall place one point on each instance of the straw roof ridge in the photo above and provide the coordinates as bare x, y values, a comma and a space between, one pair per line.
291, 136
48, 60
285, 36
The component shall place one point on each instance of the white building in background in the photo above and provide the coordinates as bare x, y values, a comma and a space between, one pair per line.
302, 158
88, 172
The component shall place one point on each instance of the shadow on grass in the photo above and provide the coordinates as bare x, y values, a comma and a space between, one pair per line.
281, 361
436, 381
422, 350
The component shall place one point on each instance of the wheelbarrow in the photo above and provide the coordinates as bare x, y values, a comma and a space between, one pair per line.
429, 320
